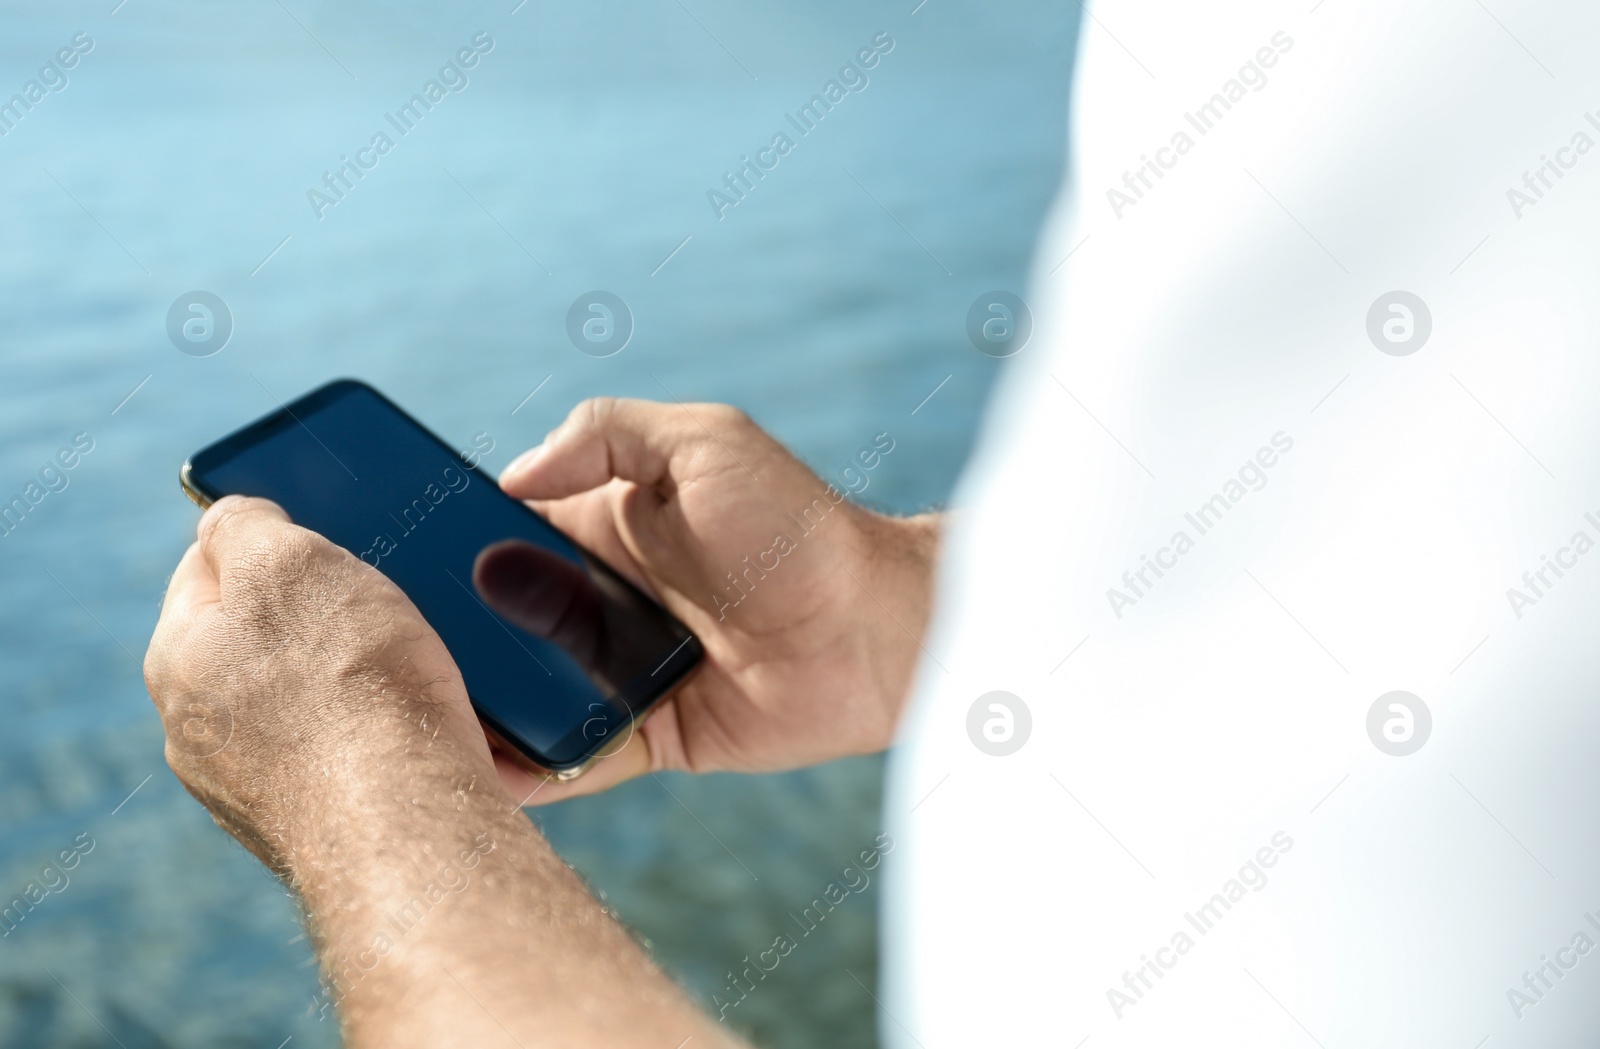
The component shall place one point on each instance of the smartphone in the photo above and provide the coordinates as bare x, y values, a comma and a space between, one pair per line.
561, 656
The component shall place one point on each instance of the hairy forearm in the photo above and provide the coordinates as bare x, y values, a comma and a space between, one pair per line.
457, 924
443, 918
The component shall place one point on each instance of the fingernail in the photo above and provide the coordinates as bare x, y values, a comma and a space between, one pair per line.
525, 460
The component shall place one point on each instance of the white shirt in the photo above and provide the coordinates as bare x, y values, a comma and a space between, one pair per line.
1200, 841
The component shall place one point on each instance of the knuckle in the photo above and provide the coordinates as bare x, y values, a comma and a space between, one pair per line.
170, 657
726, 416
596, 410
227, 517
283, 583
596, 413
156, 669
219, 521
278, 554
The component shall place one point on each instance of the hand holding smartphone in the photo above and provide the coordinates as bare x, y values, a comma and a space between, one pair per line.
560, 655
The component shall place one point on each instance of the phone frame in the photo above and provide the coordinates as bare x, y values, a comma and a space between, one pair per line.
680, 665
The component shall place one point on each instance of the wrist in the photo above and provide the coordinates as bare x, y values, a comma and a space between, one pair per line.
898, 562
379, 875
369, 826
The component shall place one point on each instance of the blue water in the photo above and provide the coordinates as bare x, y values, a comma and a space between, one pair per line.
828, 304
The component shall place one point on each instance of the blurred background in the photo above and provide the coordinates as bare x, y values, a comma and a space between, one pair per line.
177, 154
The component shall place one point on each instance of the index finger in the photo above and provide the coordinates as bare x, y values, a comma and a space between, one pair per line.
603, 438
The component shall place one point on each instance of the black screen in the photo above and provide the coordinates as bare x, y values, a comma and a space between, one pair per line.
558, 652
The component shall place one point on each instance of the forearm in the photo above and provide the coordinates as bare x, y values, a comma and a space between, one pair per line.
458, 924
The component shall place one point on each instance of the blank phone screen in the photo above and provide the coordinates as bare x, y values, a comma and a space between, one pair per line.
557, 651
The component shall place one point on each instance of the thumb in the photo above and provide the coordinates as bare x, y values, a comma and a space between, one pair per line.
233, 524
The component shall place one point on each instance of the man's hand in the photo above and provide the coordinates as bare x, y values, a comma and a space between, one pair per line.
313, 711
810, 608
300, 688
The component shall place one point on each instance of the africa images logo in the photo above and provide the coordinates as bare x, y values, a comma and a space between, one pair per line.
1205, 117
1252, 877
452, 79
851, 79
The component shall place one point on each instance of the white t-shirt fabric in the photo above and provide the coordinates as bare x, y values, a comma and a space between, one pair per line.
1280, 548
